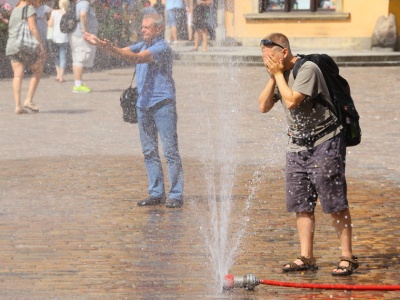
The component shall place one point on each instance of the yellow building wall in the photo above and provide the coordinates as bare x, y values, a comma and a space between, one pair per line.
354, 32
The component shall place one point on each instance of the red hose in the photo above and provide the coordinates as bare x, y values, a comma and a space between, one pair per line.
332, 286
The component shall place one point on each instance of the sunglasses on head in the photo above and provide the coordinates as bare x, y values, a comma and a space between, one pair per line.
266, 43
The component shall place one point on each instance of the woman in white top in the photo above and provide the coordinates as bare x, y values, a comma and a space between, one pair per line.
60, 39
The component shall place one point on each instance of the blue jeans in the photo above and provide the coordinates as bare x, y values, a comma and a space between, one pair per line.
60, 57
172, 17
161, 119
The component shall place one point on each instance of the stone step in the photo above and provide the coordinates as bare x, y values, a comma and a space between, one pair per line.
252, 56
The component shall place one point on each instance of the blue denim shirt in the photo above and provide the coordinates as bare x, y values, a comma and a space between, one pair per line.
154, 80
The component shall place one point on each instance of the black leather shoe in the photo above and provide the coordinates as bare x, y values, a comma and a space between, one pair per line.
151, 201
174, 203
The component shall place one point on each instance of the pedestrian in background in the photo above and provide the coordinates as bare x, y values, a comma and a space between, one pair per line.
43, 12
20, 60
49, 40
131, 13
315, 158
201, 10
173, 7
83, 53
147, 9
189, 16
159, 7
60, 40
156, 108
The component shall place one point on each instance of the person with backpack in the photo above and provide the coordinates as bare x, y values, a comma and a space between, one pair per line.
315, 157
83, 53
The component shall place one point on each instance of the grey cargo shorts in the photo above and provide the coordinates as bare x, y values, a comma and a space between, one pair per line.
317, 173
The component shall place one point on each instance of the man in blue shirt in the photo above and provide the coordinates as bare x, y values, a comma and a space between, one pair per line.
156, 108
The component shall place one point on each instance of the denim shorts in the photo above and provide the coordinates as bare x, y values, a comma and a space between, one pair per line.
172, 17
27, 59
317, 173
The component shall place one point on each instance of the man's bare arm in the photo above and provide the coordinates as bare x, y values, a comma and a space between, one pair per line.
266, 98
122, 53
83, 21
142, 57
291, 98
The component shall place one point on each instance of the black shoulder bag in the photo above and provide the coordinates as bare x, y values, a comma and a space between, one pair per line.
128, 103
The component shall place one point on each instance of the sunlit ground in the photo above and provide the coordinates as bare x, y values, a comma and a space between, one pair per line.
70, 176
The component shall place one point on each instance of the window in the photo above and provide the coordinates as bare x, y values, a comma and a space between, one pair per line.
297, 5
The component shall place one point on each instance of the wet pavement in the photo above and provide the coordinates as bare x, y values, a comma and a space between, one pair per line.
71, 174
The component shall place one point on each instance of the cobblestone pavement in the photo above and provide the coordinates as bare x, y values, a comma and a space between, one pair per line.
70, 175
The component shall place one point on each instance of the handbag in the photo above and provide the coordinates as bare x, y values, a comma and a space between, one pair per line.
128, 101
26, 41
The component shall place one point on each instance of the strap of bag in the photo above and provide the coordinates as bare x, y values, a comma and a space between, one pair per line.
133, 77
73, 3
134, 73
297, 65
24, 12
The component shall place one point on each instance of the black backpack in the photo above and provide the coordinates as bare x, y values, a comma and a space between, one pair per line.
69, 21
343, 105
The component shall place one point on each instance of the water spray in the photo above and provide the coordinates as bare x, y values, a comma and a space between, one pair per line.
249, 282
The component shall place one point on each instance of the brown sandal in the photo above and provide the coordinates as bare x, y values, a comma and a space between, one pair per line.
346, 271
31, 106
308, 264
19, 111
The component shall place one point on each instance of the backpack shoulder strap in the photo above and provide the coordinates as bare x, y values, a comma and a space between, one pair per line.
297, 65
316, 58
72, 8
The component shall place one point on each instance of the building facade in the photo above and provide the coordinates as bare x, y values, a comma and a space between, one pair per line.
318, 24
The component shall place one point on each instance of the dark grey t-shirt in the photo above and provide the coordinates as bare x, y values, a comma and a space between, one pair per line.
311, 117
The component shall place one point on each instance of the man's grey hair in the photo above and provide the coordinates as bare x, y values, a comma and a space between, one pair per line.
157, 18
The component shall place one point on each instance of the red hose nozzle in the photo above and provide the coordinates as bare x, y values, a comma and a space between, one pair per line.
248, 281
